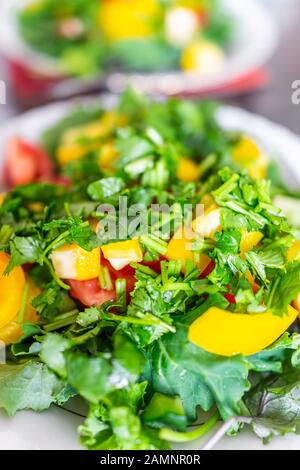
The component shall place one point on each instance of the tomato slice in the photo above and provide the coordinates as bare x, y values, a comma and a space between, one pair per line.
230, 298
209, 269
89, 293
25, 163
154, 265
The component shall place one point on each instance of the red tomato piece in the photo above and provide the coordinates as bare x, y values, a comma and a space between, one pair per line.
89, 292
25, 163
209, 269
230, 298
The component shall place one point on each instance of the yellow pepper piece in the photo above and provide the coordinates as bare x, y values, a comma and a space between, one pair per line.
12, 332
180, 248
294, 252
203, 57
108, 155
188, 171
73, 262
248, 155
123, 19
120, 254
71, 149
36, 207
11, 290
226, 334
249, 240
70, 153
209, 223
2, 197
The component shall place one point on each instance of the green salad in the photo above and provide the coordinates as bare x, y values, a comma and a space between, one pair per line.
145, 268
100, 36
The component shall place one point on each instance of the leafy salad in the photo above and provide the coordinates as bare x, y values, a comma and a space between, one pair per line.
157, 319
93, 37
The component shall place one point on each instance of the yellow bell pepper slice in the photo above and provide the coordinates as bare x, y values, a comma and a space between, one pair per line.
248, 155
120, 254
11, 290
121, 19
249, 240
2, 197
108, 156
226, 334
203, 57
73, 262
13, 331
180, 248
188, 171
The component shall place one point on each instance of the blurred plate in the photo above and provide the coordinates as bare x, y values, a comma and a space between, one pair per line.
59, 425
255, 39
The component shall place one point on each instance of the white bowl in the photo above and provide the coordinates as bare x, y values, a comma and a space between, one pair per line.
255, 38
59, 426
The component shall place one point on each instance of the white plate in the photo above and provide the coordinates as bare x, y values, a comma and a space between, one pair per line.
255, 39
56, 428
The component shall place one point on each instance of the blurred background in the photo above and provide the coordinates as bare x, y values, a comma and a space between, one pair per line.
266, 89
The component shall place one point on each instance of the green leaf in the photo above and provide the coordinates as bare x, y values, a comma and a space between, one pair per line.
95, 377
24, 250
276, 356
30, 385
52, 352
89, 375
52, 301
131, 434
178, 367
284, 289
105, 188
275, 406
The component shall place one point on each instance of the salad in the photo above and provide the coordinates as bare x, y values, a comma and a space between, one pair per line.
146, 269
89, 38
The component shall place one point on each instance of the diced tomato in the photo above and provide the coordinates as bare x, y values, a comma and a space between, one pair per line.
126, 273
63, 180
25, 163
230, 298
89, 292
209, 269
155, 265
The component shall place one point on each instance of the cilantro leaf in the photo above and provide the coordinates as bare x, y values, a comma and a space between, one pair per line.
285, 289
30, 385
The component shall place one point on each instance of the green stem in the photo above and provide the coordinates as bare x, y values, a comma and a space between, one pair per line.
174, 436
227, 187
61, 322
144, 269
155, 244
176, 286
140, 321
55, 277
82, 339
207, 164
23, 303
